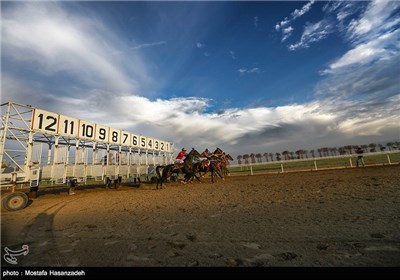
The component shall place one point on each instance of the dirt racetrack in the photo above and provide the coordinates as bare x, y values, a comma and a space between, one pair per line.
348, 217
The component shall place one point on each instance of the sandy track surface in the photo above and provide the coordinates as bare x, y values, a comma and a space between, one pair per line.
348, 217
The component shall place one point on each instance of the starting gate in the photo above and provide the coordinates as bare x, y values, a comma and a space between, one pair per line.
37, 145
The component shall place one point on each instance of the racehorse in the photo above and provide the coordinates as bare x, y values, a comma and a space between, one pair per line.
215, 168
202, 166
210, 164
167, 171
186, 167
225, 163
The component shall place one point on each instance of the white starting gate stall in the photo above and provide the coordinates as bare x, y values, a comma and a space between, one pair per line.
40, 148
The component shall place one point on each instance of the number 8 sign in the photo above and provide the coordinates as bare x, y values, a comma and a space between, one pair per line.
115, 136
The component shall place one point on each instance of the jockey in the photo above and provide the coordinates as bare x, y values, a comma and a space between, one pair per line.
181, 156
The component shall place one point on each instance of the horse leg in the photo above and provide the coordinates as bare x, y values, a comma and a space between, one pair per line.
194, 174
187, 177
166, 174
220, 175
159, 177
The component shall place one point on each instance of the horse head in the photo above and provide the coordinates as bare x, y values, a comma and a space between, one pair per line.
205, 153
193, 153
218, 151
228, 156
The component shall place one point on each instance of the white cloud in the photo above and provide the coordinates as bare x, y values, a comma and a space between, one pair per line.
298, 13
232, 53
252, 70
287, 30
186, 122
362, 89
342, 15
373, 18
256, 21
282, 25
286, 33
374, 36
368, 52
200, 45
57, 41
149, 45
313, 32
336, 17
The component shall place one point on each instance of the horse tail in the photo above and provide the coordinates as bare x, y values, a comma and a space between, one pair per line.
159, 180
158, 170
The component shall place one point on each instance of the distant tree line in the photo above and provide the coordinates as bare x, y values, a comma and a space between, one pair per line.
321, 152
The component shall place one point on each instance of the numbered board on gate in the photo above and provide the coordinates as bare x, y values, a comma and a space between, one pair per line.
55, 124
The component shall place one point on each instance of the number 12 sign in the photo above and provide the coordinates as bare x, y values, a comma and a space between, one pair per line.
44, 121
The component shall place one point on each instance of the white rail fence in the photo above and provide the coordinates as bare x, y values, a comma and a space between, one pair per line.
317, 163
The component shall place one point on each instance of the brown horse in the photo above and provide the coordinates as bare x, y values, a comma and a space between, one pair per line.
167, 172
210, 164
215, 168
186, 168
225, 163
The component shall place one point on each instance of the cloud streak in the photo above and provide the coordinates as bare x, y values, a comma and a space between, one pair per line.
375, 19
313, 32
148, 45
255, 21
58, 42
374, 36
249, 71
200, 45
284, 25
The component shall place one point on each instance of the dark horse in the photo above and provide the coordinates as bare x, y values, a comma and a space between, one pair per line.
186, 167
208, 165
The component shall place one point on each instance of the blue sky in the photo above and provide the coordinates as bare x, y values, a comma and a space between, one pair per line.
244, 76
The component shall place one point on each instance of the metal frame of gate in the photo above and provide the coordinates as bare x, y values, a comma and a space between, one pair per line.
67, 157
